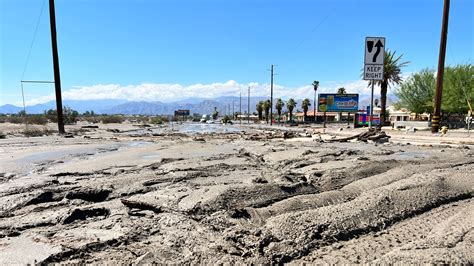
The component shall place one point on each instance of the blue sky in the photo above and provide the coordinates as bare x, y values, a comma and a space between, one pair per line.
173, 49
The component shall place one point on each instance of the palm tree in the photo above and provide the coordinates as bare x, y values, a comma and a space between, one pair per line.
259, 109
215, 114
341, 91
291, 104
391, 75
305, 105
278, 106
266, 107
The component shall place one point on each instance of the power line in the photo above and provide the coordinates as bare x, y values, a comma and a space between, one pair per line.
33, 40
314, 29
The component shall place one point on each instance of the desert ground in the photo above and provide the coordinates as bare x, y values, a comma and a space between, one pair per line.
209, 193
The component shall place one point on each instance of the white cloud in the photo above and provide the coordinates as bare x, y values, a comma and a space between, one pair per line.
173, 92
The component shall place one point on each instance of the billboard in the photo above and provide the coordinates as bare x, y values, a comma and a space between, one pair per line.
332, 102
181, 113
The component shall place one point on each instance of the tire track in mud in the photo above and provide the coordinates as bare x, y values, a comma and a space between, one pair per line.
375, 246
343, 191
294, 235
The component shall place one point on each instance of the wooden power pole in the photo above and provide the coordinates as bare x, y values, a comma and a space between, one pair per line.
440, 75
271, 98
57, 78
248, 108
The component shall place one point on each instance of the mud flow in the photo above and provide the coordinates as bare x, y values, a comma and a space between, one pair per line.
234, 196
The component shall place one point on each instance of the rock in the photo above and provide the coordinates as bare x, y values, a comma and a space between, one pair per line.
83, 214
90, 126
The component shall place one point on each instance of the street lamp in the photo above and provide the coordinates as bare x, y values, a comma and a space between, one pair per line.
315, 86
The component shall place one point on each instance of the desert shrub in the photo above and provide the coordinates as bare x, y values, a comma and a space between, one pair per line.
37, 119
91, 119
142, 119
226, 119
108, 119
15, 120
156, 120
36, 132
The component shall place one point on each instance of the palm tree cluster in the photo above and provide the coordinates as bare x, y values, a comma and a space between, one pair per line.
263, 107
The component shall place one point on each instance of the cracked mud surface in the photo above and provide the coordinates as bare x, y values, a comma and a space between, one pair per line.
233, 197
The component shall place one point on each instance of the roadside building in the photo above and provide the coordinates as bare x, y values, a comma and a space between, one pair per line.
330, 116
398, 115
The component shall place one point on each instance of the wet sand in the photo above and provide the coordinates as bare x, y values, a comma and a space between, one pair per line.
229, 194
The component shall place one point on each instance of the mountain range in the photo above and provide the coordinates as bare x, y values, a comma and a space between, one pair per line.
224, 105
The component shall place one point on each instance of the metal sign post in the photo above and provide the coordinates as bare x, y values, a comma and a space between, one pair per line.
373, 65
371, 105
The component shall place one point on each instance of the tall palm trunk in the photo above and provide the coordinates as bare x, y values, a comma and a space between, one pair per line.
304, 116
383, 101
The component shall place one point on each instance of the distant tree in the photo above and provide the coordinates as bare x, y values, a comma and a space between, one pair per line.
305, 104
22, 113
51, 115
259, 108
279, 106
391, 75
69, 115
290, 104
417, 92
215, 114
376, 102
266, 107
341, 91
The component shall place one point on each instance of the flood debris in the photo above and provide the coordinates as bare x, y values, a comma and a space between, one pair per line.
237, 198
370, 135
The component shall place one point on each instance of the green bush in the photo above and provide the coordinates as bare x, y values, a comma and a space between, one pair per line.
156, 120
108, 119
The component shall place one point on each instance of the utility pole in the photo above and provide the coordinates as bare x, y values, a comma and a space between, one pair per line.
271, 98
440, 75
57, 78
248, 107
233, 110
315, 87
240, 109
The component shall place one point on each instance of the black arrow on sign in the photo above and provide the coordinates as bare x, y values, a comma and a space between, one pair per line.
379, 45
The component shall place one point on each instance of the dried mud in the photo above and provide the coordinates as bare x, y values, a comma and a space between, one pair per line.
249, 197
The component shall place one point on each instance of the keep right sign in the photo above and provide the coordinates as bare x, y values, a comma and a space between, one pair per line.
374, 57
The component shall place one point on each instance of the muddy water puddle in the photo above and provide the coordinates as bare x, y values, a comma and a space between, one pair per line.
409, 155
189, 128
